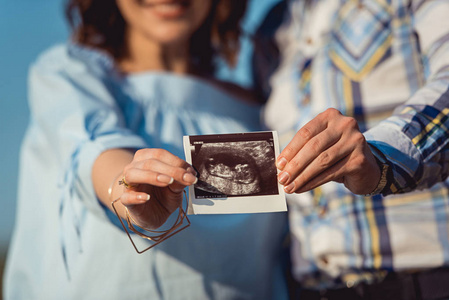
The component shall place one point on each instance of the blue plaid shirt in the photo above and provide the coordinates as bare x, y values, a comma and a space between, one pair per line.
385, 63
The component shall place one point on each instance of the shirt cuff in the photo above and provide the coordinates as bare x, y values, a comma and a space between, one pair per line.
400, 153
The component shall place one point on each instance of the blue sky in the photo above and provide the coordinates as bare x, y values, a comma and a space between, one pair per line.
28, 27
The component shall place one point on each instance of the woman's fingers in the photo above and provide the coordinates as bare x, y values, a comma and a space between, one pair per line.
160, 155
161, 168
157, 179
151, 213
158, 173
176, 188
130, 197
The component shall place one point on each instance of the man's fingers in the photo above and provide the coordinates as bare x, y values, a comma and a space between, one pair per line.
350, 166
320, 150
334, 173
301, 138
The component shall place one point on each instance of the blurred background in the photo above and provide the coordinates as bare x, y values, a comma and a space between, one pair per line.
28, 27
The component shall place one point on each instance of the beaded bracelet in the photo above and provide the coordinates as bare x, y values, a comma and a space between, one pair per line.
158, 235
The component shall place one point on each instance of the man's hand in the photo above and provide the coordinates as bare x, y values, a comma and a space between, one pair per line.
328, 148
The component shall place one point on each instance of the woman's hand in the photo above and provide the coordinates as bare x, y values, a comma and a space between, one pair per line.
156, 179
328, 148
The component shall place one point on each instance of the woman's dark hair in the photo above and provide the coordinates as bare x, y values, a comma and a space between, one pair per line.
99, 24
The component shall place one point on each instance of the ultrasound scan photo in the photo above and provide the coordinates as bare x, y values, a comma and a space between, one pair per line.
234, 167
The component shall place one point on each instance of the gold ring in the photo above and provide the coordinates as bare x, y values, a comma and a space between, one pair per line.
123, 181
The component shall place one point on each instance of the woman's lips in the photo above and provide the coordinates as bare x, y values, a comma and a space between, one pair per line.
167, 9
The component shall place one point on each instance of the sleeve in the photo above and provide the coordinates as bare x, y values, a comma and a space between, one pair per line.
415, 140
77, 118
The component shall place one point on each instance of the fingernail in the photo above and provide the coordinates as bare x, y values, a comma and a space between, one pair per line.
144, 197
165, 178
191, 170
281, 163
283, 177
188, 177
290, 188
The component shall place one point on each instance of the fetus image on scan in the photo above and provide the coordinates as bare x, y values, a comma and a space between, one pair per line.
235, 169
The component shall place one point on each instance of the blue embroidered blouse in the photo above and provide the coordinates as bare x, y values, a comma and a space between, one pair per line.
65, 246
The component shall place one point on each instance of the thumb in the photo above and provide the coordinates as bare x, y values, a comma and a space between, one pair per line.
176, 188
